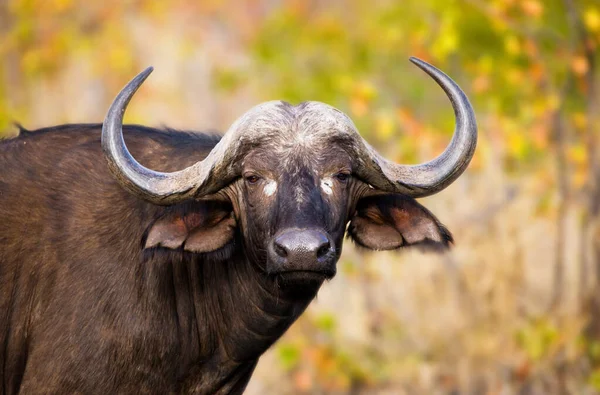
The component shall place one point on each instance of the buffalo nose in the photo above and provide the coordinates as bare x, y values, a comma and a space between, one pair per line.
302, 247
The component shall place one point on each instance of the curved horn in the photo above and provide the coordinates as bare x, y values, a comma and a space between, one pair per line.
205, 177
431, 177
202, 178
153, 186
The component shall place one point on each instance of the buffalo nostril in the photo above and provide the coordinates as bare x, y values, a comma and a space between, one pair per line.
323, 249
280, 250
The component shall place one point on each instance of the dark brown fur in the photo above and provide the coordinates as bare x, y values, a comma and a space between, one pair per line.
84, 310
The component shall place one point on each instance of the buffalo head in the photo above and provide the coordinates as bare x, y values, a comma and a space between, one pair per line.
289, 179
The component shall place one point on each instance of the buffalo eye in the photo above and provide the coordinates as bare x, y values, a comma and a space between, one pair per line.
342, 177
252, 179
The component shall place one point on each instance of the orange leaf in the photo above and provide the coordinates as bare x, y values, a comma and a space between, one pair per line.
580, 65
533, 8
303, 381
481, 84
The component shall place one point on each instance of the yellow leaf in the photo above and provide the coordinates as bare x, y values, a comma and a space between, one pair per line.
580, 120
62, 5
120, 58
485, 63
362, 93
384, 125
539, 106
365, 90
31, 62
578, 154
512, 45
446, 44
514, 76
517, 144
591, 18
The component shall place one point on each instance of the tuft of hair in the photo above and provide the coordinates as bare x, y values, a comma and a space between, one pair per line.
429, 245
22, 129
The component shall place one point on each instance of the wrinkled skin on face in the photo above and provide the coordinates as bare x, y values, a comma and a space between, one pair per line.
296, 193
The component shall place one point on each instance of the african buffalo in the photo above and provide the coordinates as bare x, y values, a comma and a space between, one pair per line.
121, 279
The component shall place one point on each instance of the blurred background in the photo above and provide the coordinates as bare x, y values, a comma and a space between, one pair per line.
514, 307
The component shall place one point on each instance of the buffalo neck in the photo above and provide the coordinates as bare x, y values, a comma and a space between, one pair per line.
226, 312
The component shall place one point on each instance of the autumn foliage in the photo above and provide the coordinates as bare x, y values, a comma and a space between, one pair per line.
513, 308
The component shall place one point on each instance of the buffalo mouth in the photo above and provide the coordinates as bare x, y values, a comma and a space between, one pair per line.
303, 278
301, 257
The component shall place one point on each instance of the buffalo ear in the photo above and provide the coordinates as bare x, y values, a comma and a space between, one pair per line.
388, 222
197, 227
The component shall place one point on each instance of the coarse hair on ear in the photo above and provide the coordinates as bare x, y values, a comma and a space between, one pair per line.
392, 221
